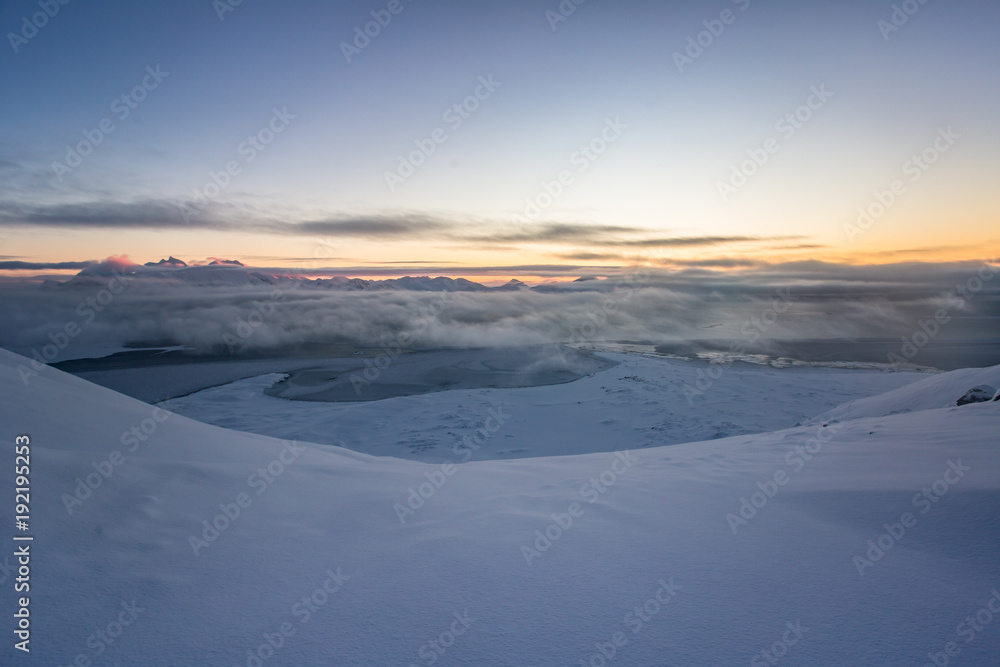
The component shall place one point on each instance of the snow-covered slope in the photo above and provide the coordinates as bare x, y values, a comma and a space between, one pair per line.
319, 564
936, 391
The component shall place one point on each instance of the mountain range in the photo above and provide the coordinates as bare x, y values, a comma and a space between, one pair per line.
231, 273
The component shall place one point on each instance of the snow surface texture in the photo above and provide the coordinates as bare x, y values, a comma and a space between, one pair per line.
794, 578
936, 391
641, 402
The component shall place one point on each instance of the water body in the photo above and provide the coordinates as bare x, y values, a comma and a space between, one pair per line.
942, 354
339, 373
343, 374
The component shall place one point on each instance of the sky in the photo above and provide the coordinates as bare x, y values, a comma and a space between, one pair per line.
498, 138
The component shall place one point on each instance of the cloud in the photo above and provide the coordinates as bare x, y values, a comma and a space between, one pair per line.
43, 266
442, 269
714, 262
164, 214
110, 266
611, 235
591, 256
931, 250
555, 232
828, 301
168, 215
693, 241
403, 225
800, 246
145, 214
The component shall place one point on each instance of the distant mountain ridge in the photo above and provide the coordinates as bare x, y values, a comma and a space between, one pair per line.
230, 273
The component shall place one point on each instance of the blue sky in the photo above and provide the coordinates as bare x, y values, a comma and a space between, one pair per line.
558, 88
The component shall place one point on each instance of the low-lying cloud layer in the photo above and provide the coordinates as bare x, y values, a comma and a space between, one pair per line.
808, 300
